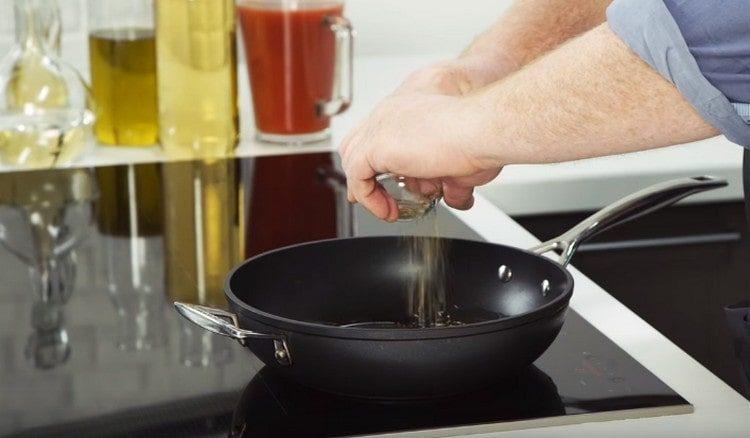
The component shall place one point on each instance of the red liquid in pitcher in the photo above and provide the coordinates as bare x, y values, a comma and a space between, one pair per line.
290, 56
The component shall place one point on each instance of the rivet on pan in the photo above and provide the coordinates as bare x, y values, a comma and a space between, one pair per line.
504, 273
545, 288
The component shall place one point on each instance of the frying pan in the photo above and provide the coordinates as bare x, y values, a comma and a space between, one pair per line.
293, 307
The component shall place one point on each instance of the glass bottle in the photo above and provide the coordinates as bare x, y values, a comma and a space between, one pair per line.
197, 77
51, 21
122, 56
45, 116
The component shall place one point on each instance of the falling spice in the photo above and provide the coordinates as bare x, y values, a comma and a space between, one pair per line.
427, 294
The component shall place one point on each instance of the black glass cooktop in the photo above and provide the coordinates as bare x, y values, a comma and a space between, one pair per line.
582, 377
91, 259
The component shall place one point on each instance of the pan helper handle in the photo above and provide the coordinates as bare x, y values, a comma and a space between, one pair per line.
626, 209
225, 323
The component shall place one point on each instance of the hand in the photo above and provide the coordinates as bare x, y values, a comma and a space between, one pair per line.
406, 128
425, 136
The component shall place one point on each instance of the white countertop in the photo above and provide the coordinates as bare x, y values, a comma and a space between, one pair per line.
582, 185
719, 410
591, 184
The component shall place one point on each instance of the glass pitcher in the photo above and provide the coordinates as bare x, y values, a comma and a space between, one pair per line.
45, 115
299, 59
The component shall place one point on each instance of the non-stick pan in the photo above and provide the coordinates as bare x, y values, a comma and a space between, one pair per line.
293, 307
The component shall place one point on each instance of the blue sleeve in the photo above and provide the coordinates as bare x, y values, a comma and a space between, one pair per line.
718, 36
699, 52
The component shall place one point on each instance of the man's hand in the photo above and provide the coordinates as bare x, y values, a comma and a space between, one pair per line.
424, 136
427, 97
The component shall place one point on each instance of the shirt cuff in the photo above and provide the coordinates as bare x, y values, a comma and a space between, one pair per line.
743, 109
647, 27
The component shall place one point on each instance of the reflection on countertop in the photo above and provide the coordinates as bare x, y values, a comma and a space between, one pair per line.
43, 220
91, 260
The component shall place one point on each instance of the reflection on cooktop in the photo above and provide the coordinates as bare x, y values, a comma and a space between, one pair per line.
109, 357
90, 260
271, 406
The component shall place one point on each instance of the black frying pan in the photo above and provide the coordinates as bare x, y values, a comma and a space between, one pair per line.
290, 307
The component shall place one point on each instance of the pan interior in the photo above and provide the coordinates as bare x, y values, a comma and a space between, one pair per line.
364, 280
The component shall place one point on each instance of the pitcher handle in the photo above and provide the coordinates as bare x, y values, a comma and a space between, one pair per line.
343, 74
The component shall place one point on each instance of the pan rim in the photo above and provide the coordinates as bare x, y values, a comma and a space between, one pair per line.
289, 325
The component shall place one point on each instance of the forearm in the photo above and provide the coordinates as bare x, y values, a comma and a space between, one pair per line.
532, 27
590, 97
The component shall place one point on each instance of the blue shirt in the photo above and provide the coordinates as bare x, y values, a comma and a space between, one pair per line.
702, 47
718, 36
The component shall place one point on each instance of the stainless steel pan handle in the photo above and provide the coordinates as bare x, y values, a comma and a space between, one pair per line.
626, 209
225, 323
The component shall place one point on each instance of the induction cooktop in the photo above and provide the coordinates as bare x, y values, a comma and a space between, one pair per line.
106, 355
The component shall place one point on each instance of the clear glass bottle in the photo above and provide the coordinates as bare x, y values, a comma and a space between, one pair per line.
122, 56
45, 115
51, 28
197, 77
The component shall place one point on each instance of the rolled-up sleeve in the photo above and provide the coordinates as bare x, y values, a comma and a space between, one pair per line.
704, 56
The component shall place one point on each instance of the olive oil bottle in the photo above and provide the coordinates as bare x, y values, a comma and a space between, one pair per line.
197, 77
122, 55
123, 74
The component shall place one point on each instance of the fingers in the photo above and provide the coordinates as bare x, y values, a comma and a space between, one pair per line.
373, 197
345, 157
346, 144
421, 188
459, 192
458, 196
363, 188
431, 188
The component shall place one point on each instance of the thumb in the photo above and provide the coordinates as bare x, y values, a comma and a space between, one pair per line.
459, 192
458, 196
